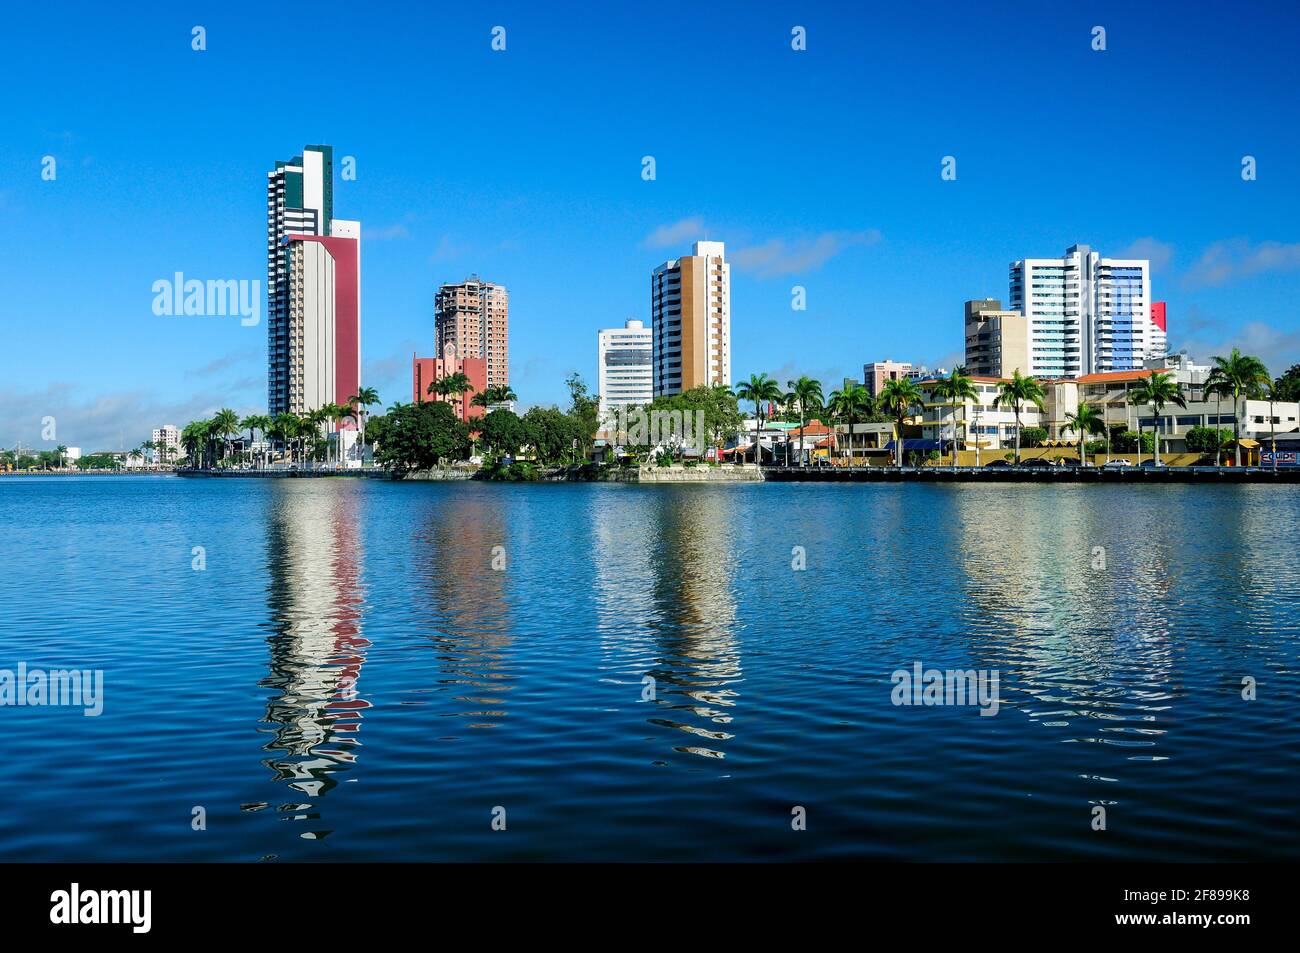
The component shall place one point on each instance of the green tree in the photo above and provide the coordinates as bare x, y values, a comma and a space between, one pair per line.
954, 389
550, 432
849, 406
899, 398
763, 391
224, 426
253, 423
806, 393
418, 436
286, 428
1207, 440
1240, 375
502, 432
360, 404
1033, 437
493, 396
1287, 387
584, 412
1017, 392
1155, 392
1084, 421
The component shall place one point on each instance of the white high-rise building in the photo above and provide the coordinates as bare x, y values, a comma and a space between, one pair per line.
1087, 314
624, 366
313, 287
166, 443
690, 309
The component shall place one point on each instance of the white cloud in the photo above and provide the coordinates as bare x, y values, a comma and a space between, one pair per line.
1237, 258
1276, 348
686, 230
109, 421
448, 250
1159, 253
784, 257
386, 233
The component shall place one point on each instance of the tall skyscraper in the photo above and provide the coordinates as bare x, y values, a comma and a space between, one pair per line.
690, 308
1087, 314
997, 341
623, 366
313, 287
475, 317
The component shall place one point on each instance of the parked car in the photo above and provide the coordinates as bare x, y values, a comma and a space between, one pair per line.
1038, 463
1151, 463
1116, 464
998, 463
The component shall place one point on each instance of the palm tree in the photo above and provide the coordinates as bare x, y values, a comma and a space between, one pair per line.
1156, 391
144, 448
849, 404
807, 393
333, 414
1240, 374
1017, 392
1270, 391
225, 425
1086, 420
315, 420
362, 401
254, 423
493, 396
762, 390
898, 398
957, 387
1217, 385
285, 428
192, 439
62, 451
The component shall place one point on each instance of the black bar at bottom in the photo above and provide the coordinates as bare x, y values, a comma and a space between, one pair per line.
371, 901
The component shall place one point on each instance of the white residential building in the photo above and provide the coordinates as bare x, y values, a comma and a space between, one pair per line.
1087, 314
982, 421
690, 308
166, 443
625, 371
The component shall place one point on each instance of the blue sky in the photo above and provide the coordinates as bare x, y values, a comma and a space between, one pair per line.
818, 168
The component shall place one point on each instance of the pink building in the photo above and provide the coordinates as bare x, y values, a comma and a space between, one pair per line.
875, 375
426, 370
324, 321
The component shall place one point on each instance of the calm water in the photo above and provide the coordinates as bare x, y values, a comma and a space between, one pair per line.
350, 679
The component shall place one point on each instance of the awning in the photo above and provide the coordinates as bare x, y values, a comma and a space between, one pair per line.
916, 444
1248, 443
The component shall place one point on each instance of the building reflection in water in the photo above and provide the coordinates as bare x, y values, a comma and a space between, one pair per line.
468, 616
665, 566
1075, 617
317, 648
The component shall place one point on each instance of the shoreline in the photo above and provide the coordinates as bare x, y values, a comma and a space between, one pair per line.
725, 476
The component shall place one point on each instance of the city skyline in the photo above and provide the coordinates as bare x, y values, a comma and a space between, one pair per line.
886, 250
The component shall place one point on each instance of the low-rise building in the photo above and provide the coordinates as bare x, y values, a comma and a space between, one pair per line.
427, 371
1257, 419
982, 421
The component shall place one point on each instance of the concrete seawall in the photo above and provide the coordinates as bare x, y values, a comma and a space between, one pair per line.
1124, 475
680, 474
